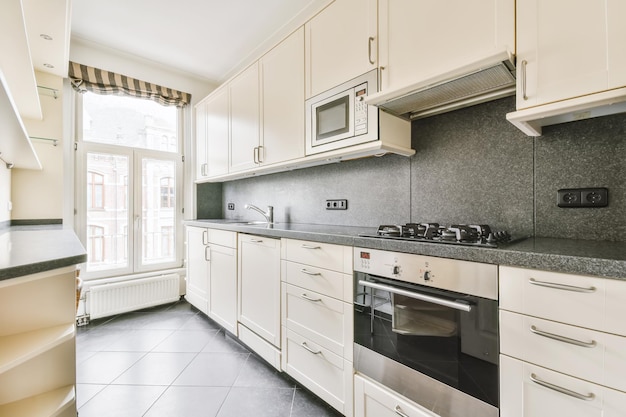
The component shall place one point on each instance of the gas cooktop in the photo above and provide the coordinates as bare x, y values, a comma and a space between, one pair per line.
457, 234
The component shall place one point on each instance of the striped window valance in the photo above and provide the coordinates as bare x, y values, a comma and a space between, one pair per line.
98, 81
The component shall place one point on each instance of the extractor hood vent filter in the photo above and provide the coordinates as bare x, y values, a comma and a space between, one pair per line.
471, 85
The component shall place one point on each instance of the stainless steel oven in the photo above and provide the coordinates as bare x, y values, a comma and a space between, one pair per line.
427, 328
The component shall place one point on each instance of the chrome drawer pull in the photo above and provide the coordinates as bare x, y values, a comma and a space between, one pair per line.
304, 271
399, 411
561, 286
562, 390
304, 345
315, 300
305, 246
256, 241
571, 341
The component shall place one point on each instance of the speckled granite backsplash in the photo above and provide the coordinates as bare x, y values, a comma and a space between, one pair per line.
470, 166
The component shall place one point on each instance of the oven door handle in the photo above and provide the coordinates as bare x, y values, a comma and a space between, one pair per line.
435, 300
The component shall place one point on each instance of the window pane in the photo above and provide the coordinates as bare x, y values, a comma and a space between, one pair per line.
107, 216
158, 210
129, 121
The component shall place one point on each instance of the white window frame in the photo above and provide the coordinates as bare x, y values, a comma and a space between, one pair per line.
82, 148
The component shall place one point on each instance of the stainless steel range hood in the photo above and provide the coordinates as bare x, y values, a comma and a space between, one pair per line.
482, 80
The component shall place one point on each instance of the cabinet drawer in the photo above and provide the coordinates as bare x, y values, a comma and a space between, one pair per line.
583, 353
523, 395
324, 281
594, 303
321, 255
374, 400
327, 375
222, 237
324, 320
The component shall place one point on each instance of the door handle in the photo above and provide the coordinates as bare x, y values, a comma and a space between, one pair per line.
304, 271
562, 390
370, 41
558, 286
314, 300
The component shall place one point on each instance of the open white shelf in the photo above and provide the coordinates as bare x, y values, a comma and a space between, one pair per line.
19, 348
49, 404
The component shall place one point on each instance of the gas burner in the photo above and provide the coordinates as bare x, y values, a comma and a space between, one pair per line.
460, 234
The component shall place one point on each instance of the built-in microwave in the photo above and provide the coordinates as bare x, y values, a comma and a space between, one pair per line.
339, 117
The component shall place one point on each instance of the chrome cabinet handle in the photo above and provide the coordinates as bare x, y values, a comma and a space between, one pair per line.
399, 411
207, 251
315, 300
205, 237
557, 286
524, 63
203, 169
562, 390
255, 154
315, 352
560, 338
305, 246
304, 271
256, 241
369, 49
260, 151
418, 296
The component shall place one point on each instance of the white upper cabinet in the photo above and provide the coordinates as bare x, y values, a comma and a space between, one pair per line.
341, 44
571, 61
245, 119
420, 39
282, 75
217, 133
201, 140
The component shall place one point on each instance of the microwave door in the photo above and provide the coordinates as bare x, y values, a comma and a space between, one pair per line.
333, 119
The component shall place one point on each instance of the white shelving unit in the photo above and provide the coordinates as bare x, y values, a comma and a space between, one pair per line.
37, 344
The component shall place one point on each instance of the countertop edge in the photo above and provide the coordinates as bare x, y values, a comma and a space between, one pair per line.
557, 255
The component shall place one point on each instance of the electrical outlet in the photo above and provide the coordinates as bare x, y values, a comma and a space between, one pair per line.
230, 206
568, 198
336, 204
583, 197
594, 197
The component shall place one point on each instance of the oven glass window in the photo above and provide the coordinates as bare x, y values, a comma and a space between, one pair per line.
333, 118
456, 347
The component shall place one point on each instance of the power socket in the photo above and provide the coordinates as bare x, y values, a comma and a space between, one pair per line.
230, 206
336, 204
583, 197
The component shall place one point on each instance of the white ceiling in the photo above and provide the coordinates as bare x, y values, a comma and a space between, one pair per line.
210, 39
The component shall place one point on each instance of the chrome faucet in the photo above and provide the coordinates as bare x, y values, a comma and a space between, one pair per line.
269, 214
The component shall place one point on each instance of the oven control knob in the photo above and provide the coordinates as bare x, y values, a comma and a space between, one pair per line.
396, 269
427, 276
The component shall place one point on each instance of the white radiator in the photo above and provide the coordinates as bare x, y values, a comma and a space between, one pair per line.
121, 297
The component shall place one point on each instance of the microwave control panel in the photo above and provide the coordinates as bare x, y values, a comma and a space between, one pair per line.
360, 110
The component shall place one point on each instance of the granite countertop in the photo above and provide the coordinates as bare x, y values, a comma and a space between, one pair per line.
585, 257
28, 250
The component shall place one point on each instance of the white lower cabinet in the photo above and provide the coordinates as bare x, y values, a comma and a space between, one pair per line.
259, 295
197, 291
562, 345
528, 390
374, 400
317, 319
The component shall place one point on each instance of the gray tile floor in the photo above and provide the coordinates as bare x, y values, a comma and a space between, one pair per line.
174, 361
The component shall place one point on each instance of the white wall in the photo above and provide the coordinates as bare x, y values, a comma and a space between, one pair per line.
36, 194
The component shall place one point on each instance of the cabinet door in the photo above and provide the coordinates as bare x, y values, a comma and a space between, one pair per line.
616, 36
259, 286
374, 400
197, 268
217, 132
527, 390
422, 38
557, 61
223, 287
244, 117
201, 140
341, 44
282, 72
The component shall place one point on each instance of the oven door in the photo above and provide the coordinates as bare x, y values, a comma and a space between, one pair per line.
446, 336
